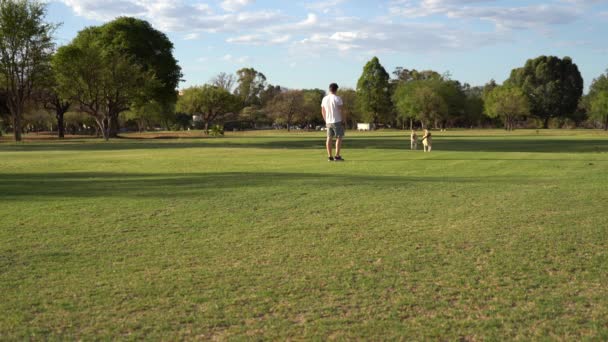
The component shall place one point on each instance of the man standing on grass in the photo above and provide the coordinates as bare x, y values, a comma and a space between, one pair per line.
331, 108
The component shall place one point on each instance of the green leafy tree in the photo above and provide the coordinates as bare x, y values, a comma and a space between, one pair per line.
48, 96
26, 45
474, 106
148, 48
421, 101
350, 111
508, 103
210, 102
288, 107
373, 92
452, 93
100, 82
151, 113
405, 75
312, 106
597, 101
250, 84
224, 80
553, 86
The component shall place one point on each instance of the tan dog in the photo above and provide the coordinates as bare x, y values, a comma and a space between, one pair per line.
414, 140
427, 141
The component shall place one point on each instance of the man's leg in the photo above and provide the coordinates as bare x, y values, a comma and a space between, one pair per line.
328, 145
338, 146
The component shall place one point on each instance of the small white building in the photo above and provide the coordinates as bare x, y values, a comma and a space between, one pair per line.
365, 126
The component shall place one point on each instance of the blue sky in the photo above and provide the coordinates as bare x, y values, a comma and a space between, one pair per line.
309, 43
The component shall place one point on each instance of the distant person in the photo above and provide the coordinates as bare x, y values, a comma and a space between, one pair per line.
427, 141
414, 140
331, 108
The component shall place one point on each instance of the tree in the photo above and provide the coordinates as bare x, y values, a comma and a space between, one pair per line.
100, 82
473, 105
312, 106
150, 113
250, 85
208, 101
405, 75
288, 107
146, 47
224, 80
507, 102
373, 93
349, 109
598, 100
419, 100
553, 86
48, 95
26, 45
269, 93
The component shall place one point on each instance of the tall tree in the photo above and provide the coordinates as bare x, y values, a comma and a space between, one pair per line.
312, 105
250, 85
100, 82
26, 45
373, 92
508, 103
147, 47
48, 96
598, 100
349, 109
405, 75
554, 86
224, 80
288, 107
419, 100
210, 102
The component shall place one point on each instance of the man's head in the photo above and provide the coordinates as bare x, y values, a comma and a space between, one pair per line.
333, 88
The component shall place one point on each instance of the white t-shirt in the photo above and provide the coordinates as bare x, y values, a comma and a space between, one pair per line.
332, 104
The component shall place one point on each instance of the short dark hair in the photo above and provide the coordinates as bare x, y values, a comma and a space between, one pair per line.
333, 87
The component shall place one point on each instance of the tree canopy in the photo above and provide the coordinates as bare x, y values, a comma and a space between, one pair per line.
598, 99
508, 103
373, 92
553, 86
26, 46
100, 81
210, 102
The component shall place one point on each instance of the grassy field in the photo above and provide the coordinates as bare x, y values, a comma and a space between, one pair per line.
492, 236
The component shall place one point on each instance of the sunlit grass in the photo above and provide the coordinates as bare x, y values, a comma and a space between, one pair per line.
493, 236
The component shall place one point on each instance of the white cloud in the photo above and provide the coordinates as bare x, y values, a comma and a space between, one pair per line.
192, 36
236, 60
504, 17
324, 31
235, 5
326, 7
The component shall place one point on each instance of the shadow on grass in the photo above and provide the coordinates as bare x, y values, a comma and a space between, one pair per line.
455, 144
129, 185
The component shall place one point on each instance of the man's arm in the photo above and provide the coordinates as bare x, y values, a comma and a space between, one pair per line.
323, 113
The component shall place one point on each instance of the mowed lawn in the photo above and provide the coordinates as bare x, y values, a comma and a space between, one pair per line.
493, 236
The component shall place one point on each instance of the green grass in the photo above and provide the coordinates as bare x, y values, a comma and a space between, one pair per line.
493, 236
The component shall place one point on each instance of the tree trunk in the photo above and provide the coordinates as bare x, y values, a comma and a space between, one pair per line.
206, 127
411, 124
113, 126
60, 126
17, 127
606, 124
546, 122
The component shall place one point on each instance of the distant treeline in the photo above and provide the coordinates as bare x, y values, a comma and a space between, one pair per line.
123, 76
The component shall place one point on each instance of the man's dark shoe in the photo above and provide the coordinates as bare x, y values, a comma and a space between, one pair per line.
339, 158
330, 159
